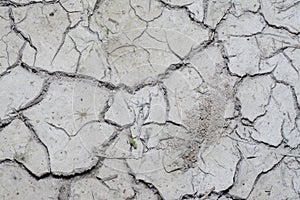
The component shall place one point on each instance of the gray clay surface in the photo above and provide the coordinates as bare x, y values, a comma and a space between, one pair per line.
149, 99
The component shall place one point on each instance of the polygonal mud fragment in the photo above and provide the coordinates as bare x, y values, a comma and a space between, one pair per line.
92, 61
293, 137
114, 173
256, 159
120, 111
268, 127
282, 182
17, 184
181, 34
216, 166
197, 10
120, 147
17, 88
147, 11
284, 71
160, 57
131, 66
146, 105
151, 104
243, 54
293, 54
10, 47
109, 19
66, 58
215, 11
69, 105
273, 63
18, 143
95, 134
287, 70
10, 42
70, 155
245, 25
254, 94
45, 26
279, 119
282, 13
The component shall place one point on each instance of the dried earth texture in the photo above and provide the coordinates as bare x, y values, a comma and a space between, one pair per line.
149, 99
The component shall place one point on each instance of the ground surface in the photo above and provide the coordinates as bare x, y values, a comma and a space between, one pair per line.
152, 99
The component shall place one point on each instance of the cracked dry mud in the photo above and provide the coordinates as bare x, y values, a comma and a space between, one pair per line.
156, 99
